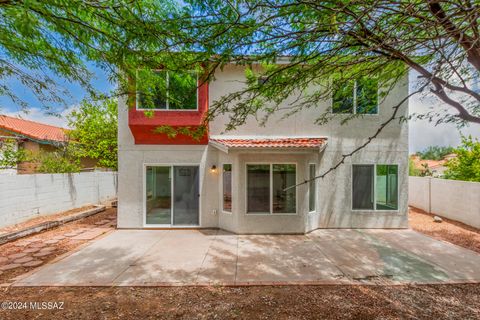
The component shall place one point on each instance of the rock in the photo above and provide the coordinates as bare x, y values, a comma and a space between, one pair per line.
437, 219
23, 260
17, 255
33, 263
9, 266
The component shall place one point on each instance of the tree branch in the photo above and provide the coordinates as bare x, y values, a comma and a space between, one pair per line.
362, 146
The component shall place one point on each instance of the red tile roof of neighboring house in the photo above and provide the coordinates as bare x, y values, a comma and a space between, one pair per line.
271, 142
33, 130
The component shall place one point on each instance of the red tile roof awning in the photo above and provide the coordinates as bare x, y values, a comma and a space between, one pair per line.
33, 130
225, 144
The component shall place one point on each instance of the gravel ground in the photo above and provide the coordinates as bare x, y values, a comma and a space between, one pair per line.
291, 302
448, 230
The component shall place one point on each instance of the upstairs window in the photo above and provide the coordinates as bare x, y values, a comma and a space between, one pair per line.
357, 97
166, 90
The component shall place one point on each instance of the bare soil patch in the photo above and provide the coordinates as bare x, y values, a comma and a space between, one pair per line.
40, 219
448, 230
291, 302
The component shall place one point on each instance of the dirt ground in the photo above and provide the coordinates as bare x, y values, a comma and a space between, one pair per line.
448, 230
291, 302
41, 219
59, 248
460, 301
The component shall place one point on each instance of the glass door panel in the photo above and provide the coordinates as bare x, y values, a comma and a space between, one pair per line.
186, 195
158, 195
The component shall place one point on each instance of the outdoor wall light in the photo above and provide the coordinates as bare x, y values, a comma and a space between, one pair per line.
213, 169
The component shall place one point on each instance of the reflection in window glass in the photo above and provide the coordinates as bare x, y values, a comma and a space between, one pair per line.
166, 90
343, 99
258, 188
158, 195
182, 90
151, 89
311, 188
362, 189
367, 95
284, 176
227, 187
387, 187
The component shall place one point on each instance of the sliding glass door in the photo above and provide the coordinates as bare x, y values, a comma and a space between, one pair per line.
172, 195
185, 199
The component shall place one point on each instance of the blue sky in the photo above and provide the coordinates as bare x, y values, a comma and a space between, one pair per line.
421, 132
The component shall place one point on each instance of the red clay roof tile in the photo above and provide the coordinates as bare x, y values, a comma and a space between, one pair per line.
34, 130
272, 142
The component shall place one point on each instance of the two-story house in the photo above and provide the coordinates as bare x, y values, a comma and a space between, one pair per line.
239, 180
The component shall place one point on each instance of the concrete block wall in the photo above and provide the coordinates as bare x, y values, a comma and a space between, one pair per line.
23, 197
452, 199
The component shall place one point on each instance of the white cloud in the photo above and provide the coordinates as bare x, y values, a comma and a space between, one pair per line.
423, 133
39, 115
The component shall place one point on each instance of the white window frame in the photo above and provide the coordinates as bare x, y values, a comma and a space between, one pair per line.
231, 185
137, 101
375, 187
309, 190
144, 196
355, 103
271, 213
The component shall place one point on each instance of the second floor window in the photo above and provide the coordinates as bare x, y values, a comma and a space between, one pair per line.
356, 97
166, 90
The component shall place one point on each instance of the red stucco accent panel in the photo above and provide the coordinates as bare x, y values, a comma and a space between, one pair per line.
143, 126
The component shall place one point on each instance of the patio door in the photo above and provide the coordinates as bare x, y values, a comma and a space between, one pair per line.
172, 196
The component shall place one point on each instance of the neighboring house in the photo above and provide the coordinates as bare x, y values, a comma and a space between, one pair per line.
236, 180
435, 168
34, 137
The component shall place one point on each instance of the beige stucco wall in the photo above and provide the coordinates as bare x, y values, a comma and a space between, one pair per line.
452, 199
333, 192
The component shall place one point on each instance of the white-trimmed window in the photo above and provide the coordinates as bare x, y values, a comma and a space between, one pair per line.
227, 187
266, 184
312, 190
166, 90
356, 97
374, 187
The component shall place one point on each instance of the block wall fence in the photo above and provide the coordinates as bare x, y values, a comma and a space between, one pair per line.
27, 196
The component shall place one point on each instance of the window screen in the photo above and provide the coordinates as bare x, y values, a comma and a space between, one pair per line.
311, 188
227, 187
284, 176
362, 187
258, 188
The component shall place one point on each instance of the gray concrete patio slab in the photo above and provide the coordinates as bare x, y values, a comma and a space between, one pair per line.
201, 257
